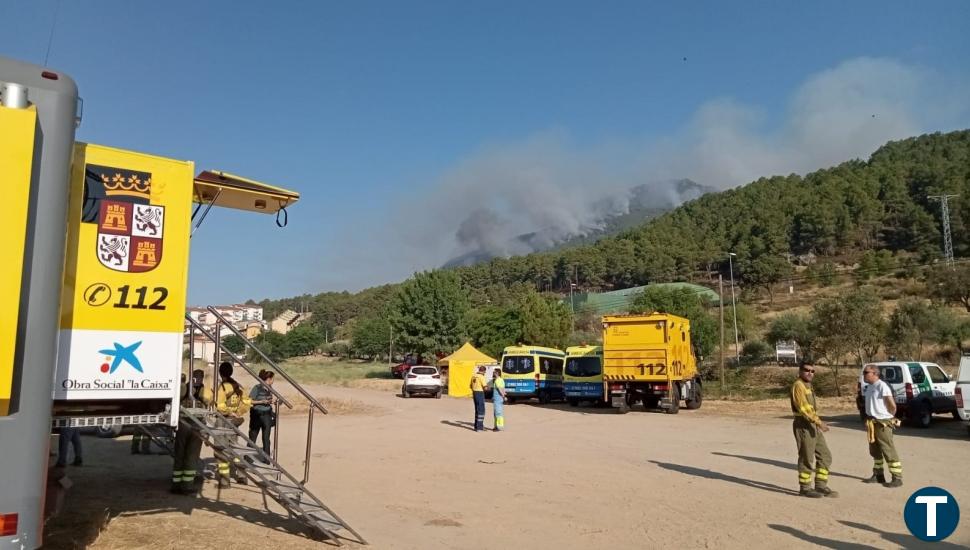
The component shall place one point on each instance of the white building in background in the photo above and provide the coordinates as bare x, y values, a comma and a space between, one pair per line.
250, 313
204, 348
248, 319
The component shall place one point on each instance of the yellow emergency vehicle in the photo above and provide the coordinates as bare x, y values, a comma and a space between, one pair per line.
583, 375
533, 371
650, 359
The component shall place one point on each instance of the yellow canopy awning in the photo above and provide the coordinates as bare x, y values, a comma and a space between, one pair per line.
468, 353
231, 191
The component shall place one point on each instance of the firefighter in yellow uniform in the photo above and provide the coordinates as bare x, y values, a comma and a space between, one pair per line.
813, 452
232, 403
188, 441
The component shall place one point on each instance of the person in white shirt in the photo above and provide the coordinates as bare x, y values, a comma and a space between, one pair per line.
880, 422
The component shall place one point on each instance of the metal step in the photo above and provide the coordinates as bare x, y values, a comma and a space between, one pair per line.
272, 478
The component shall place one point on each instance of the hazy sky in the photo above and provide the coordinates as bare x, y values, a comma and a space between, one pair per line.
401, 121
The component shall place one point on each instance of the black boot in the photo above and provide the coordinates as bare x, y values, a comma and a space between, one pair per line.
807, 491
878, 476
896, 482
825, 491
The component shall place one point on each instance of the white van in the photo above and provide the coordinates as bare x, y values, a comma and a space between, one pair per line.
963, 389
921, 390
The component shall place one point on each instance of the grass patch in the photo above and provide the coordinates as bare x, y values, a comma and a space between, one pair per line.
769, 382
337, 373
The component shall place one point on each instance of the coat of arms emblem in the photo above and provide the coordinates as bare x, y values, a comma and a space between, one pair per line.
129, 231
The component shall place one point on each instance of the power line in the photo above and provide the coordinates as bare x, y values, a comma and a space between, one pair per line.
50, 39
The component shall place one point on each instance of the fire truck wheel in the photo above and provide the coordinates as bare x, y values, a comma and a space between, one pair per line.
695, 403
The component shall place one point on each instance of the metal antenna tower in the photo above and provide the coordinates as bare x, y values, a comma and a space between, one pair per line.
945, 214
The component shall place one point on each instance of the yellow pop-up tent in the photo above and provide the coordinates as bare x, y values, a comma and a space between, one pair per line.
461, 365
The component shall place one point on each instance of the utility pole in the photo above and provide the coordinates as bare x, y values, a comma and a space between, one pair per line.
734, 306
572, 304
720, 296
945, 214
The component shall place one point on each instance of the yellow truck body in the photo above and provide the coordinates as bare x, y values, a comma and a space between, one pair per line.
649, 358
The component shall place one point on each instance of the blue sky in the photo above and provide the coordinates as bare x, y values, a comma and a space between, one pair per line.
399, 120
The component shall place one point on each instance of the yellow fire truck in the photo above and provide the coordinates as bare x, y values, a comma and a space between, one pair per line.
649, 359
94, 268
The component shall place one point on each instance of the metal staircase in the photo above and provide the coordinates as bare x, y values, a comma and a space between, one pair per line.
231, 445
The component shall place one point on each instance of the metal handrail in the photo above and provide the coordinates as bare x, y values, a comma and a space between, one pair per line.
309, 397
315, 404
236, 358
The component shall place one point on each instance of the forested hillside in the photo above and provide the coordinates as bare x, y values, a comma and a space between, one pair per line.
859, 212
858, 206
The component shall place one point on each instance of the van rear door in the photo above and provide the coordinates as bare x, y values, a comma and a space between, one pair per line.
963, 388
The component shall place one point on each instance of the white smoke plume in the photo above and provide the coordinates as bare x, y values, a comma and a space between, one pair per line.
548, 186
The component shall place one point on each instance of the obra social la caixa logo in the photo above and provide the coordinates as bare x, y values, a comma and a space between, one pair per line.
931, 514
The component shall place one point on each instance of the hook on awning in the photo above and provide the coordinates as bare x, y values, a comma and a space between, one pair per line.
286, 216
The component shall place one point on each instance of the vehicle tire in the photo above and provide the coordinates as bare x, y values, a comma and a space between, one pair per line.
573, 402
543, 397
956, 414
674, 401
923, 415
438, 395
509, 400
695, 403
405, 394
109, 432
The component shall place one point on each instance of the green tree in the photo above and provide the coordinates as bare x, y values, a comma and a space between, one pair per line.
427, 312
849, 323
949, 330
234, 344
910, 327
302, 340
823, 273
685, 303
766, 270
493, 328
951, 286
794, 327
371, 337
273, 344
545, 321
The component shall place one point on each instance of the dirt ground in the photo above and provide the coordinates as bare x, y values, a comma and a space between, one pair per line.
410, 473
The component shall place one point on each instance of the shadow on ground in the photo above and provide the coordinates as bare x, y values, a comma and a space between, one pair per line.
781, 464
711, 474
897, 539
905, 540
459, 424
114, 483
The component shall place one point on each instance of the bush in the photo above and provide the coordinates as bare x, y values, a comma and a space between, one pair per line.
341, 349
755, 352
